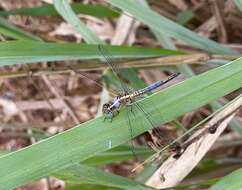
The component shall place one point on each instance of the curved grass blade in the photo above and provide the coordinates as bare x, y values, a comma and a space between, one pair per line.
115, 155
118, 154
81, 174
90, 138
184, 17
49, 10
64, 9
231, 182
170, 28
16, 52
238, 4
14, 32
73, 186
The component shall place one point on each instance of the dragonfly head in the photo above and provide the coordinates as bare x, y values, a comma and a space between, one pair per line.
107, 110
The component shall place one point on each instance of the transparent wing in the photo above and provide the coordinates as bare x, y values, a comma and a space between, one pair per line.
125, 88
81, 74
113, 67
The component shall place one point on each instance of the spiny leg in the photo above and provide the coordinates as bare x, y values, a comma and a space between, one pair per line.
108, 118
130, 104
131, 133
145, 113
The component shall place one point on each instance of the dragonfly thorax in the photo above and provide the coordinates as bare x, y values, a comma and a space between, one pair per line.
109, 109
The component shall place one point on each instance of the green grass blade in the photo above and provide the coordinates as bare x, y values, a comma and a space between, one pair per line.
16, 52
95, 136
81, 174
11, 31
230, 182
49, 10
160, 23
238, 4
234, 124
73, 186
184, 17
115, 155
118, 154
64, 9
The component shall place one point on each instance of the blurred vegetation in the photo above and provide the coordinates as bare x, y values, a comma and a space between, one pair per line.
55, 80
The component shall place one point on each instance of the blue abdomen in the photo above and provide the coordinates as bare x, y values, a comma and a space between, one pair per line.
158, 83
152, 87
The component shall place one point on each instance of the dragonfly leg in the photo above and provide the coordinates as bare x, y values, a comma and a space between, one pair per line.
108, 118
130, 105
132, 111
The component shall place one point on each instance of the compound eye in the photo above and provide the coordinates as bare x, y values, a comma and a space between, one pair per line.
106, 108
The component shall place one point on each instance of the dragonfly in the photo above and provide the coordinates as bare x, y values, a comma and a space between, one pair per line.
127, 97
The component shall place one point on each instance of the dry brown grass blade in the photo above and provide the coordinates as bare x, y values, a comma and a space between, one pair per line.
174, 170
198, 58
